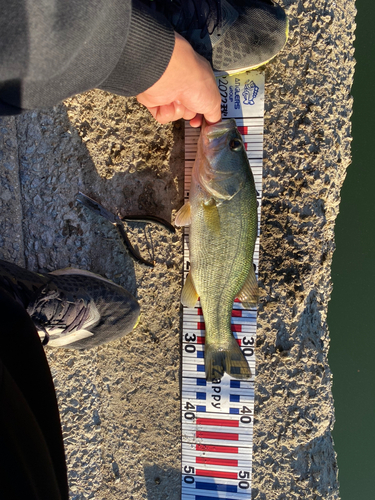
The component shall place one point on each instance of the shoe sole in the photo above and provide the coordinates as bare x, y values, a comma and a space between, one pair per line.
69, 271
220, 73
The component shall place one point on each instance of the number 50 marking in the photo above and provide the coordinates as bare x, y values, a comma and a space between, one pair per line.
244, 485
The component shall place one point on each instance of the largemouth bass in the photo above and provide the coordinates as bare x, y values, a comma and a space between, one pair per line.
222, 215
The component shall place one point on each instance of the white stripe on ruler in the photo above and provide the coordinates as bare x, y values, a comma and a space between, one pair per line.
217, 417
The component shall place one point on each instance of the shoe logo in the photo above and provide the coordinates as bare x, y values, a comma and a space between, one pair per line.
250, 92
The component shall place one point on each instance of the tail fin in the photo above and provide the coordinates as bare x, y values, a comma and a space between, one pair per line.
218, 360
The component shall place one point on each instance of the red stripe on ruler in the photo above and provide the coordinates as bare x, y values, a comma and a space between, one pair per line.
216, 435
216, 461
218, 421
234, 328
216, 448
217, 473
242, 130
235, 312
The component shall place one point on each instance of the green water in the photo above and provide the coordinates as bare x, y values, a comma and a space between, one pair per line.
351, 312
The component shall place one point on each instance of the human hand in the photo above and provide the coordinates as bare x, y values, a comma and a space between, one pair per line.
187, 89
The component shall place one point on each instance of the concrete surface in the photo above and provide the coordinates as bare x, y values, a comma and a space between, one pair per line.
120, 404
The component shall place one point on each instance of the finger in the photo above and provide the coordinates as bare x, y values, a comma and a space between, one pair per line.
173, 112
165, 113
214, 115
196, 121
153, 110
142, 99
182, 112
209, 122
189, 115
179, 110
151, 101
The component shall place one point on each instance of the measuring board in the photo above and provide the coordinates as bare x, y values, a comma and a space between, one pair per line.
217, 417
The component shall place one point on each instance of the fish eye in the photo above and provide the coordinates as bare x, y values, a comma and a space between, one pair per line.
235, 144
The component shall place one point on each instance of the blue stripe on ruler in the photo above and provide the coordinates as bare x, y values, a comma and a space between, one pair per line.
201, 381
200, 395
234, 398
201, 497
215, 487
233, 411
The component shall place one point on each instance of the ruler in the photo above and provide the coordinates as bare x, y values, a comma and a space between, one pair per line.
217, 417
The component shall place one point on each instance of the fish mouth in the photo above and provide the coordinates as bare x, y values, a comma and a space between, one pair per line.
217, 130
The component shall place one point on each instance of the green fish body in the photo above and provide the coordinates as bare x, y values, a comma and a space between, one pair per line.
222, 215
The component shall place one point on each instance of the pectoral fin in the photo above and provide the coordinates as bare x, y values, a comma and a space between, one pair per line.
183, 216
249, 293
189, 295
211, 216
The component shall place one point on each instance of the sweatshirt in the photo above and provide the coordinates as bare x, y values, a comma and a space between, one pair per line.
53, 49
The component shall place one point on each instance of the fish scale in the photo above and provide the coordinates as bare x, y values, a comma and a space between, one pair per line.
217, 418
213, 307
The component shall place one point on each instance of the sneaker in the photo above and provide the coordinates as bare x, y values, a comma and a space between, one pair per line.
234, 35
72, 308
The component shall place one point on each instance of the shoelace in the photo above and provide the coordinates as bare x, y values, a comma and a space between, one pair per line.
187, 15
54, 311
50, 310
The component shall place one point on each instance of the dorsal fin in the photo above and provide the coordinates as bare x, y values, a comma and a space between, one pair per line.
189, 295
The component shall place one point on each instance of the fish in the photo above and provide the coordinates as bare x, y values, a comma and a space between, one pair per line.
222, 217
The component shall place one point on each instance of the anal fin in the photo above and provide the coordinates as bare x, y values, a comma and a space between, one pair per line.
249, 293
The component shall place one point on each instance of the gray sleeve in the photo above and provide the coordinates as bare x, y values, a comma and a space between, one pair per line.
52, 50
146, 54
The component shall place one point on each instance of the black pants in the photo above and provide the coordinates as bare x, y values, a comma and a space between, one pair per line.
32, 458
